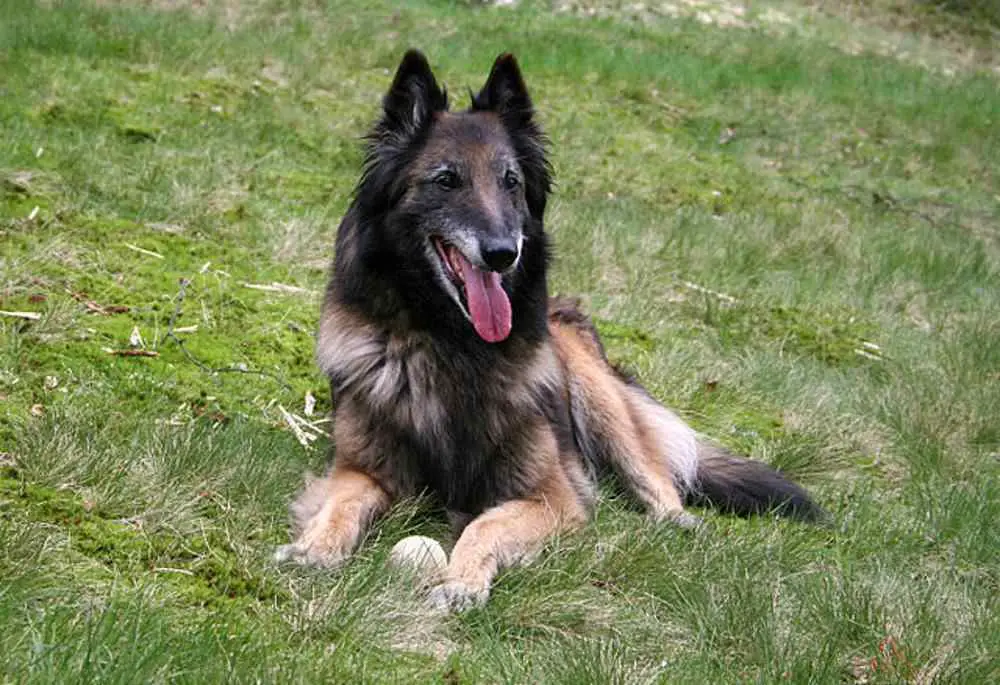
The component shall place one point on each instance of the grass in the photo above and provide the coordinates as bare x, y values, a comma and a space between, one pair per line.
792, 242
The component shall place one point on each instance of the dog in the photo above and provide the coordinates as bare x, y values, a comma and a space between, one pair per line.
452, 371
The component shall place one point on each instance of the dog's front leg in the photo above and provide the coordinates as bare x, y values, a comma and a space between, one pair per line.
510, 533
331, 516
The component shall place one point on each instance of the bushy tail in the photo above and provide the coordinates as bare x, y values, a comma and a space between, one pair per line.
746, 487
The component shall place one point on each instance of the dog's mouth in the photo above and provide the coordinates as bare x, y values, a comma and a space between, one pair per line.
481, 293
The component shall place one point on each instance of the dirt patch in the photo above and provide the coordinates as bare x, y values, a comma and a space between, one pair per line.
900, 29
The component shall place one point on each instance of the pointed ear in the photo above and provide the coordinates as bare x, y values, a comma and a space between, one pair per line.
506, 96
505, 92
407, 112
413, 98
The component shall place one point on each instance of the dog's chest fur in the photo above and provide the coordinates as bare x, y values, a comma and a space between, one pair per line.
434, 413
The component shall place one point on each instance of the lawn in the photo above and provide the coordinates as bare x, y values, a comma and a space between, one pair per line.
785, 219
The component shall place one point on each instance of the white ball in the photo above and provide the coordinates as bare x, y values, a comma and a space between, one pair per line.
422, 555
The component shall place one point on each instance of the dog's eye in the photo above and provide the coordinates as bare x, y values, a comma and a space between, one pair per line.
510, 180
447, 179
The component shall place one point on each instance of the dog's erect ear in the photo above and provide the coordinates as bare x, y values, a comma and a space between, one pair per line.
506, 96
413, 98
408, 110
505, 92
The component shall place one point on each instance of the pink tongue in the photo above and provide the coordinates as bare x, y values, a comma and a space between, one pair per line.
488, 303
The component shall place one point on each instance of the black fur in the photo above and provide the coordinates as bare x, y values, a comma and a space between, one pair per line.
746, 487
408, 111
381, 273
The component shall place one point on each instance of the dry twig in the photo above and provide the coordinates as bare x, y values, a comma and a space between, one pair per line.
171, 334
133, 353
141, 250
30, 316
275, 287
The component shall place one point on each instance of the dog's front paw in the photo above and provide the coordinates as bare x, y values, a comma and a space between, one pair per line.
311, 553
679, 518
457, 596
686, 521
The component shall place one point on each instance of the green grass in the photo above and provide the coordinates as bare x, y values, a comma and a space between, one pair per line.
817, 287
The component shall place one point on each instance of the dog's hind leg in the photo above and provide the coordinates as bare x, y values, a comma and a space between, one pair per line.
664, 466
331, 515
651, 449
617, 424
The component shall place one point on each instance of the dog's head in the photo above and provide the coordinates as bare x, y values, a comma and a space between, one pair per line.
462, 191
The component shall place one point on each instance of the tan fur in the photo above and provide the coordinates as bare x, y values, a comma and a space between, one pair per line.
667, 436
358, 351
513, 532
345, 501
655, 453
346, 341
635, 445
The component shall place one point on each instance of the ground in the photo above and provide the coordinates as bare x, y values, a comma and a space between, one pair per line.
783, 215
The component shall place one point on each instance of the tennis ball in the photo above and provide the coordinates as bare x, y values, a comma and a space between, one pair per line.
421, 554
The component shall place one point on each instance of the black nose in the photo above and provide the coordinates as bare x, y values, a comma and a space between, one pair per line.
498, 254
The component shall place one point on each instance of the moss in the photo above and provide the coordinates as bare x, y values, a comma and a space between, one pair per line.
237, 327
832, 336
622, 334
200, 570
